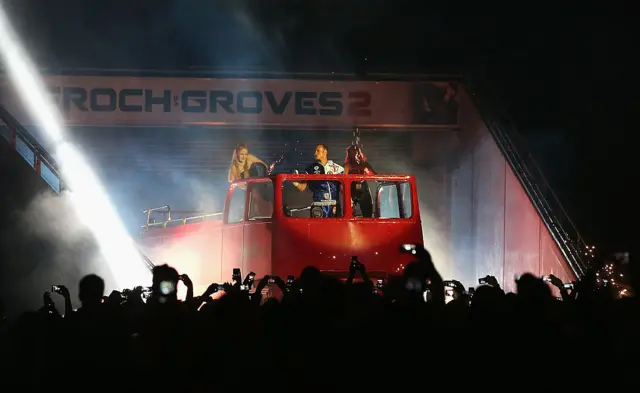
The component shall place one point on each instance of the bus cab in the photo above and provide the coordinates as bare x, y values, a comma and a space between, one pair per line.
270, 227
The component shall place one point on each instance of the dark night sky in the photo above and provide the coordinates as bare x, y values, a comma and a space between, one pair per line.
563, 72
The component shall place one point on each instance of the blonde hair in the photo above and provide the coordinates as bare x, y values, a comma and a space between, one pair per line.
235, 172
234, 157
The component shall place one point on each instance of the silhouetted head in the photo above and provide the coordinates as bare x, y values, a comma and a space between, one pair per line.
91, 290
487, 299
115, 298
310, 273
413, 269
422, 266
414, 277
165, 283
533, 289
309, 280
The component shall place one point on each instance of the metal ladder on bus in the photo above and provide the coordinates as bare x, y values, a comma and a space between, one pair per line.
33, 153
510, 142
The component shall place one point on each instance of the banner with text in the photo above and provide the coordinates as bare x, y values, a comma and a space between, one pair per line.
245, 102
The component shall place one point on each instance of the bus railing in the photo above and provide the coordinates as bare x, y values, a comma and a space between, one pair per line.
167, 219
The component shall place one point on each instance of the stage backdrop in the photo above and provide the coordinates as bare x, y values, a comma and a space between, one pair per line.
143, 101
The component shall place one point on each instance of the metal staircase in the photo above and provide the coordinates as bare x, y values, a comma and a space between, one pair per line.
512, 145
40, 160
33, 153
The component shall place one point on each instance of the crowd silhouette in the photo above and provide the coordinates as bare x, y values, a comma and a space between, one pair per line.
315, 332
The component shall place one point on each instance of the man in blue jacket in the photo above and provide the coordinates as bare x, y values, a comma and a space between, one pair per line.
325, 193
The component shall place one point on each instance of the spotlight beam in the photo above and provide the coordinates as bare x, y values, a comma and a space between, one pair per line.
90, 200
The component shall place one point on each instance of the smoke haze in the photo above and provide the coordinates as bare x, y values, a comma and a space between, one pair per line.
432, 212
50, 246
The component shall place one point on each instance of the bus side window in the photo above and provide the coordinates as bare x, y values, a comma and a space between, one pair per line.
236, 205
261, 200
394, 200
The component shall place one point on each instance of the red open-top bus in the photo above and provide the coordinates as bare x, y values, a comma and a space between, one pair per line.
268, 227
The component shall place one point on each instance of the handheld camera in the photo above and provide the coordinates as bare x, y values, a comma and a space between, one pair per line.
354, 262
167, 288
289, 282
56, 288
414, 285
408, 248
249, 280
449, 284
236, 276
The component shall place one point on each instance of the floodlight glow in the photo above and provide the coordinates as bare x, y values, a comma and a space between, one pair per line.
89, 198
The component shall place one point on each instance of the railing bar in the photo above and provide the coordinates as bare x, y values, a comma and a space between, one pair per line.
511, 149
183, 220
538, 170
26, 138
